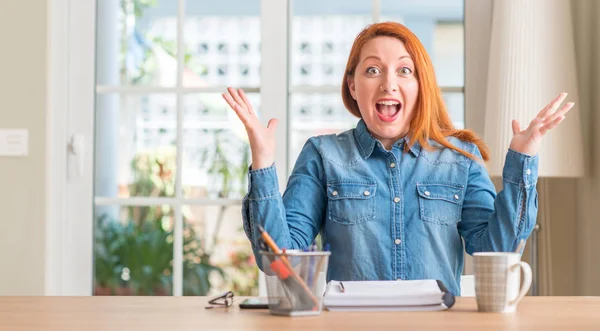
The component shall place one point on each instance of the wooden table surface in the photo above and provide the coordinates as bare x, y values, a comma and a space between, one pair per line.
188, 313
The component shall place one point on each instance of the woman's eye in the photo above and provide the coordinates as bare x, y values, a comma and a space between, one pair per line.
405, 71
372, 70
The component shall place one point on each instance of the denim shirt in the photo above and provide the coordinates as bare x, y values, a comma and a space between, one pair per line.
390, 214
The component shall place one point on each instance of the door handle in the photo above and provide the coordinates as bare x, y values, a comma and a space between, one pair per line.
76, 147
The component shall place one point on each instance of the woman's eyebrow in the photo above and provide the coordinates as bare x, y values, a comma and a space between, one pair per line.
377, 58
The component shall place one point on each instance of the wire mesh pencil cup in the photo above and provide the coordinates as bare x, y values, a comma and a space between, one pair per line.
295, 281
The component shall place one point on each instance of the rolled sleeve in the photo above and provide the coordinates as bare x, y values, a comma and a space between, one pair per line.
495, 222
263, 183
520, 169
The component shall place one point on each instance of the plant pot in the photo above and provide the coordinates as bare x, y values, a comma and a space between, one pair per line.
102, 290
161, 291
124, 291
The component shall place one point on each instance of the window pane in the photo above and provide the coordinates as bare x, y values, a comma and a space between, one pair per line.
316, 114
449, 54
217, 254
455, 104
439, 25
222, 40
137, 43
133, 250
322, 34
216, 153
135, 145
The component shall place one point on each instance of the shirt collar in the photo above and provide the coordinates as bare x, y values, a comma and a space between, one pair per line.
366, 142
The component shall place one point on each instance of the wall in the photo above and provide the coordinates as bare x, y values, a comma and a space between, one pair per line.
23, 105
587, 192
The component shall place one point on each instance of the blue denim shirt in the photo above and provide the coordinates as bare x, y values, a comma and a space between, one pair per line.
393, 214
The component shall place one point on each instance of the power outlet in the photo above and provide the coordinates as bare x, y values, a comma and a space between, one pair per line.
14, 142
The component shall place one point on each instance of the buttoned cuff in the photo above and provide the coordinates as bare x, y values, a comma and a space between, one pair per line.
520, 169
262, 183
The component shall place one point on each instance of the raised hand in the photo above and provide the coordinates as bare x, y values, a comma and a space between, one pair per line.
529, 140
262, 140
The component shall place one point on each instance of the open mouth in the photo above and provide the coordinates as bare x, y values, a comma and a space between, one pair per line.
388, 110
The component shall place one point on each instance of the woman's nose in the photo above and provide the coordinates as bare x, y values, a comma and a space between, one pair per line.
390, 84
389, 87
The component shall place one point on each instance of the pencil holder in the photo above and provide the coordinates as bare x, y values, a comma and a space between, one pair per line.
295, 281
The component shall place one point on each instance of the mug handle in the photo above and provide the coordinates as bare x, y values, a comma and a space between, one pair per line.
526, 280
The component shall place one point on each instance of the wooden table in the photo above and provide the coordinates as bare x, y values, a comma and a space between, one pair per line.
188, 313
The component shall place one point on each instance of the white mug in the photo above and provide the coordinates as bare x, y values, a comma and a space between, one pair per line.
497, 280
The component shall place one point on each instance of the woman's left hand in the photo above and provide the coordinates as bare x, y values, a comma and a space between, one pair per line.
528, 141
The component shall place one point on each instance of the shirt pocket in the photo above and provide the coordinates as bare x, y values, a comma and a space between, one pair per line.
351, 202
440, 203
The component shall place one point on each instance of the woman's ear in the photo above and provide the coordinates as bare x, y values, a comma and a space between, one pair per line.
351, 86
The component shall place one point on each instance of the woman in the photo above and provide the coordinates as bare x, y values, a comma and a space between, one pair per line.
394, 196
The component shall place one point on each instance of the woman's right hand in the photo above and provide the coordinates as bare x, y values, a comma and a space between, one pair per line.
262, 140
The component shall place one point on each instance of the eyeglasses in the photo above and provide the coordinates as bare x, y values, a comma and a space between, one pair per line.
223, 300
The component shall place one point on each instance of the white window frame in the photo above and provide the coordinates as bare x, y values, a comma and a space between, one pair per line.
68, 260
71, 96
55, 157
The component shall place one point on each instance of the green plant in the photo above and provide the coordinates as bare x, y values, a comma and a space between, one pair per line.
136, 253
139, 258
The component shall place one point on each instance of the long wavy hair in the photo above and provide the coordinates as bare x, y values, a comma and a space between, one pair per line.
430, 119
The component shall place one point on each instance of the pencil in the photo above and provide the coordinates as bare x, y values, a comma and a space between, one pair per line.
311, 262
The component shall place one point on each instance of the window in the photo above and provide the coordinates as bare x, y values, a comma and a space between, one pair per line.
172, 158
168, 182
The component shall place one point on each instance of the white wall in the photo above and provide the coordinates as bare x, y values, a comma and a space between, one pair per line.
22, 179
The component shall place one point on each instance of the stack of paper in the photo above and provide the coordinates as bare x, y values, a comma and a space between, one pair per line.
406, 295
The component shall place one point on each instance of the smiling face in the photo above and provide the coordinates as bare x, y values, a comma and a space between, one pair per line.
385, 88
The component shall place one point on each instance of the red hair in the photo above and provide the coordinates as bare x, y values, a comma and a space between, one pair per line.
430, 119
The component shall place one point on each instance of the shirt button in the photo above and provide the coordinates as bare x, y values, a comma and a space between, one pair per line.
397, 241
396, 199
528, 171
427, 193
367, 193
334, 193
456, 197
392, 165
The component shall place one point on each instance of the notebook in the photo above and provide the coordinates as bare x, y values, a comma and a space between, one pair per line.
392, 295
